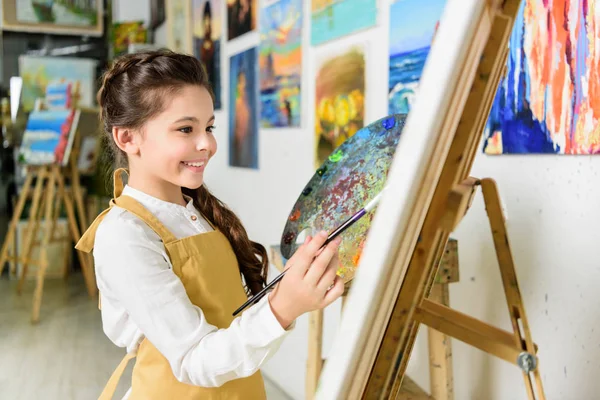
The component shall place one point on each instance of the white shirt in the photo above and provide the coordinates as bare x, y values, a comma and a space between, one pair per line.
142, 297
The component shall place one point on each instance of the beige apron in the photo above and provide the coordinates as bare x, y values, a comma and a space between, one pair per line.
208, 269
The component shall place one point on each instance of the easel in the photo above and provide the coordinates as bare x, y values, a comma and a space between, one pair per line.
48, 178
451, 199
440, 351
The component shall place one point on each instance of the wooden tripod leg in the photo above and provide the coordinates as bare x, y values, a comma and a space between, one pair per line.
88, 273
48, 229
12, 228
528, 361
32, 226
315, 356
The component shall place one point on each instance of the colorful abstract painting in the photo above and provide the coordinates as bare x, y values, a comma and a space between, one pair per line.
124, 33
413, 24
206, 25
60, 12
339, 99
331, 19
242, 17
243, 114
38, 72
48, 137
350, 177
549, 99
280, 60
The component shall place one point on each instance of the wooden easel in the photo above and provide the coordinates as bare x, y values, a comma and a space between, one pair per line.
440, 352
451, 199
49, 179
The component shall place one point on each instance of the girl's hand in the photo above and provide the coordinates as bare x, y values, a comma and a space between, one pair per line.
311, 282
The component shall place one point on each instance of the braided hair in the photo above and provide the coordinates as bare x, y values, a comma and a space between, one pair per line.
133, 91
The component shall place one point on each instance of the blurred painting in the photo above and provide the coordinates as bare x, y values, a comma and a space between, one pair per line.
206, 25
38, 72
243, 115
178, 26
331, 19
549, 99
59, 12
339, 99
413, 24
48, 137
124, 33
157, 13
242, 17
280, 61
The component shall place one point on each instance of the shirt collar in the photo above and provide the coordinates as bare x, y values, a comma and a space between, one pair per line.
152, 202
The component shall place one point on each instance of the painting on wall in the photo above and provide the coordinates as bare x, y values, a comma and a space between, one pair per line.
125, 33
280, 61
413, 24
179, 36
206, 25
549, 99
331, 19
242, 17
157, 13
339, 99
65, 17
243, 115
38, 72
48, 137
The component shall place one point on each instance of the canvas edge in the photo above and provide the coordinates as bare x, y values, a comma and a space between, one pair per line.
439, 76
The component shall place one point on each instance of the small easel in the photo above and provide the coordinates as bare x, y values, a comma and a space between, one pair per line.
49, 179
454, 191
440, 348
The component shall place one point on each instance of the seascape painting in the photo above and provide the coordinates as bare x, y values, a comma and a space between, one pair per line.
413, 24
331, 19
243, 115
549, 99
206, 26
280, 61
339, 98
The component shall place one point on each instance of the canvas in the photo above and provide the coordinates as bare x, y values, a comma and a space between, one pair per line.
413, 24
179, 26
280, 63
242, 17
59, 12
331, 19
339, 99
549, 99
243, 115
125, 33
410, 185
48, 137
207, 23
37, 72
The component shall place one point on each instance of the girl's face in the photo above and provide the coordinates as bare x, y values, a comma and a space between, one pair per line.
177, 144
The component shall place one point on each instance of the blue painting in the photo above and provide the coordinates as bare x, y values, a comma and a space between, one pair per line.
413, 24
331, 19
243, 114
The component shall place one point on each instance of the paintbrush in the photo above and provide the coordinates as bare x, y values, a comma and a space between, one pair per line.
348, 223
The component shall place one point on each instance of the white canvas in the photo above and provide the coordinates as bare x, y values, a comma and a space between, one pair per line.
405, 180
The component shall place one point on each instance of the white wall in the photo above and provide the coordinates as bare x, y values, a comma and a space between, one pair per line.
552, 221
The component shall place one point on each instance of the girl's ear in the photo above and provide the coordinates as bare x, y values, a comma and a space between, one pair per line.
125, 140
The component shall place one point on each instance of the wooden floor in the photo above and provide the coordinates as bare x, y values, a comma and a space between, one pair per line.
66, 355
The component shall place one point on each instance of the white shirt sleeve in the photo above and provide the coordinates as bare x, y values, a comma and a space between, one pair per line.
133, 272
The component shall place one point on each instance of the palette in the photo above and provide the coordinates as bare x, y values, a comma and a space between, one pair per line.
352, 175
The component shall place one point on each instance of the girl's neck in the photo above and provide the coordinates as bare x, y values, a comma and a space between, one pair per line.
162, 190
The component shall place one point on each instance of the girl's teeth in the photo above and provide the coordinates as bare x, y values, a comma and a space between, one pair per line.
194, 164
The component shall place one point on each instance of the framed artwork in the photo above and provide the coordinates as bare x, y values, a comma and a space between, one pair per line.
179, 26
243, 115
548, 100
280, 61
157, 13
242, 17
339, 98
62, 17
207, 23
332, 19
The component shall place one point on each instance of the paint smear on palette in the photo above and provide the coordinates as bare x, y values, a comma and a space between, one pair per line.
354, 173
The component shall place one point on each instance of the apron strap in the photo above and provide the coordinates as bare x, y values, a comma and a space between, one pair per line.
134, 207
111, 385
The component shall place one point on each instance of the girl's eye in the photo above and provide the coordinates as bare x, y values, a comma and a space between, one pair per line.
186, 129
210, 129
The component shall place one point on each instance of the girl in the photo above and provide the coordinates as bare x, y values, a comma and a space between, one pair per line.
172, 262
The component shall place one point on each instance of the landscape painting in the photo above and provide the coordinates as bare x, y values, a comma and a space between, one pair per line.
331, 19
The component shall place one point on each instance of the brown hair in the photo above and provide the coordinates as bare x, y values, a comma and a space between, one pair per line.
133, 91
